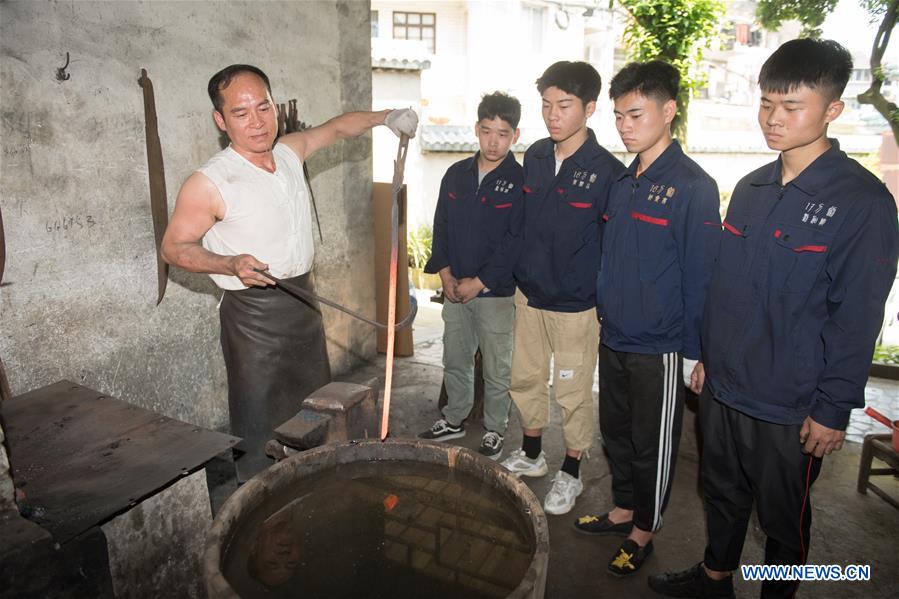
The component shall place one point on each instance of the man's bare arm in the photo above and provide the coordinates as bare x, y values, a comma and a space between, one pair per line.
347, 125
198, 207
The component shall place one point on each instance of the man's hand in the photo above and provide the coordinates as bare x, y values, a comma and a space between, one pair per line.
449, 284
402, 121
697, 378
818, 440
244, 266
468, 289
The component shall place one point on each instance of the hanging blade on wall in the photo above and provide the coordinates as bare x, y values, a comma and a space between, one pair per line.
158, 203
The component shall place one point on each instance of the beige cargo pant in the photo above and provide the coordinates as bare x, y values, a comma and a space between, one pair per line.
572, 340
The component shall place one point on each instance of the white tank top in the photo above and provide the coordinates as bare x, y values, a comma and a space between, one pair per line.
267, 215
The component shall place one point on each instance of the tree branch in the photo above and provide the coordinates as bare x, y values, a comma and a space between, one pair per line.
873, 94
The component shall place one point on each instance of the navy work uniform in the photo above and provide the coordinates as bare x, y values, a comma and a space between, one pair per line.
793, 310
471, 236
659, 240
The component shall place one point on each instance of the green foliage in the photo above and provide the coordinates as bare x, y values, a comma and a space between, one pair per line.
676, 31
811, 13
870, 161
418, 246
886, 354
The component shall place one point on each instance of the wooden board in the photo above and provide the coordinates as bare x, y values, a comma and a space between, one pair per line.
382, 198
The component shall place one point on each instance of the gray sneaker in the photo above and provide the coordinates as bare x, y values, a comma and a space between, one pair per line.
520, 464
491, 445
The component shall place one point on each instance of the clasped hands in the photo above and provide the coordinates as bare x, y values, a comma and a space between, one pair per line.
460, 290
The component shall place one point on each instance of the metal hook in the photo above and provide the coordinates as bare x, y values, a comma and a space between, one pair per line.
61, 74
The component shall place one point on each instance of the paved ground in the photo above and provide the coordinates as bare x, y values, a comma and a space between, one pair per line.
848, 528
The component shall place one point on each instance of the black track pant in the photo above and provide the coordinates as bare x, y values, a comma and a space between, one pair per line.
641, 402
746, 460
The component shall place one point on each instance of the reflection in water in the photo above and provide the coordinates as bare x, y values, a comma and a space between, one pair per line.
382, 529
275, 555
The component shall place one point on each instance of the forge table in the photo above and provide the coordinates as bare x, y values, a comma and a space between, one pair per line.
93, 466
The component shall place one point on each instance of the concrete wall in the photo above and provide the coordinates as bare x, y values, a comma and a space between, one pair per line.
78, 298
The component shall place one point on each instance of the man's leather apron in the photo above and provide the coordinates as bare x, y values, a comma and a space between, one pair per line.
275, 355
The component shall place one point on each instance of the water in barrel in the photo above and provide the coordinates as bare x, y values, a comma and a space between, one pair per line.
382, 529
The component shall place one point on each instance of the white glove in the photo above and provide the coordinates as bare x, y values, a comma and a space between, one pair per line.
689, 365
402, 121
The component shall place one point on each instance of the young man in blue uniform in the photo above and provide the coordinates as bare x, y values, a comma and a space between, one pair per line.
567, 178
807, 258
659, 238
478, 195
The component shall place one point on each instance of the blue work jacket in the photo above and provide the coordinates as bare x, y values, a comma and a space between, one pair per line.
472, 221
797, 296
559, 231
659, 239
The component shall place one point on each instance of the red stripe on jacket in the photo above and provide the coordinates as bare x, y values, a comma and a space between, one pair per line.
663, 222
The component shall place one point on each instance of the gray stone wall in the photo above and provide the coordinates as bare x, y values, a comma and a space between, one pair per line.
78, 298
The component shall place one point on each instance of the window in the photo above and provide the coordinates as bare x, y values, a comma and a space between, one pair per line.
862, 75
756, 37
416, 26
374, 23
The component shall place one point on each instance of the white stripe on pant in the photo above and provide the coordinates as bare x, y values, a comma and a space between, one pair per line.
669, 399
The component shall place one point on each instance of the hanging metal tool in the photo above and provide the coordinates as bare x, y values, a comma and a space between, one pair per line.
288, 122
158, 203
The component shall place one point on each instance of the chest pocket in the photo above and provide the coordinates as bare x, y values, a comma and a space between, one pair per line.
575, 199
652, 242
734, 256
798, 257
496, 200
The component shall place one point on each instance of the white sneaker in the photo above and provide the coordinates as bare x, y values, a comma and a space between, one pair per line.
565, 490
520, 464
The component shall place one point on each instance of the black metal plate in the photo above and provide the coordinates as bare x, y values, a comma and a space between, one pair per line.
84, 457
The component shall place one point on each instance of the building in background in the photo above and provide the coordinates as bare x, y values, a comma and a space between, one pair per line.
458, 50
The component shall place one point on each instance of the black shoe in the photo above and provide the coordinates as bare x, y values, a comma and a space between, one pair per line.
629, 558
491, 445
601, 525
443, 431
692, 583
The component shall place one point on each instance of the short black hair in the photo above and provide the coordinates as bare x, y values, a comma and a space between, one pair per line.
223, 78
654, 79
824, 65
502, 105
576, 78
